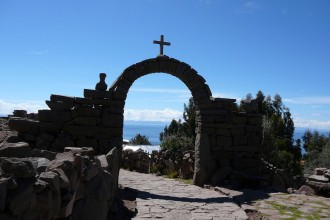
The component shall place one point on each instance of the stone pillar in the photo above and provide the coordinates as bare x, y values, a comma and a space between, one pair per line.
205, 165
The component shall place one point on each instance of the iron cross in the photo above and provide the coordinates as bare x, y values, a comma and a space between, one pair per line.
161, 44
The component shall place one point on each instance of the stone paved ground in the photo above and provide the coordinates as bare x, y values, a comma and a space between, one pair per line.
162, 198
276, 205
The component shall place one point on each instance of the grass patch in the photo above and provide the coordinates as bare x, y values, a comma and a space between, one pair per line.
173, 174
294, 212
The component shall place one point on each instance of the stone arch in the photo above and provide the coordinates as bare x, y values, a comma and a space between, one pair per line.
201, 93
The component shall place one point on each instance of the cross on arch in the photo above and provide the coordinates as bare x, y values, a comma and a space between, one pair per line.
161, 44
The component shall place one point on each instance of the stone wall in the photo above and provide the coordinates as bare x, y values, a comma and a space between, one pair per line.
94, 121
39, 184
228, 142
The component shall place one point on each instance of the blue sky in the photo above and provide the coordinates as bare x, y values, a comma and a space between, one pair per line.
239, 47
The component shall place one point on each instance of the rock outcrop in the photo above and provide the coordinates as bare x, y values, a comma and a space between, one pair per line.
36, 184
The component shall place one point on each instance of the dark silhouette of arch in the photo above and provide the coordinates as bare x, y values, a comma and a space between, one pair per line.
201, 94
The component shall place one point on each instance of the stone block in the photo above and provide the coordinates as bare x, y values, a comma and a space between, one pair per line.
20, 149
119, 95
40, 164
44, 153
253, 141
103, 161
19, 167
255, 120
61, 98
237, 130
51, 127
239, 120
61, 142
306, 190
59, 106
318, 178
23, 198
89, 112
96, 94
109, 132
252, 129
86, 142
224, 141
243, 163
240, 140
20, 113
86, 121
221, 174
113, 120
52, 179
54, 116
83, 151
82, 130
125, 83
317, 171
23, 125
3, 193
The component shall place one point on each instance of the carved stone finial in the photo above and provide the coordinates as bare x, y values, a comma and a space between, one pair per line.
101, 86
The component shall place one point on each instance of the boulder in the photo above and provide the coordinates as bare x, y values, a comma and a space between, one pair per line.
19, 167
44, 153
23, 198
113, 158
318, 178
20, 149
306, 190
319, 170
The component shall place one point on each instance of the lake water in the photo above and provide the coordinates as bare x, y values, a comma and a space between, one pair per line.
149, 129
153, 129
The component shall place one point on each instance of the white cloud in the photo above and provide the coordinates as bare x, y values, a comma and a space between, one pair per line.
168, 91
165, 115
7, 107
309, 100
300, 122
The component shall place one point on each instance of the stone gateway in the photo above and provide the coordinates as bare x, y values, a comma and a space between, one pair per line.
228, 142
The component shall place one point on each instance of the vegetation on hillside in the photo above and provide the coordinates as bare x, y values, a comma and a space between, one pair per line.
317, 147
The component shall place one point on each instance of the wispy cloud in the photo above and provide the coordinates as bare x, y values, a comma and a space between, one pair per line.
155, 90
248, 7
7, 107
165, 115
300, 122
309, 100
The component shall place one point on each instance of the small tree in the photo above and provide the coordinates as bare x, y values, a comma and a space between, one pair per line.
180, 136
140, 140
278, 128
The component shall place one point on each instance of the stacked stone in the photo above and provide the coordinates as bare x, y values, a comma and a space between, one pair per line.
38, 184
234, 137
320, 181
138, 161
94, 121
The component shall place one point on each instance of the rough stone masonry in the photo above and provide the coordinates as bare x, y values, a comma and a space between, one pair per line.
228, 142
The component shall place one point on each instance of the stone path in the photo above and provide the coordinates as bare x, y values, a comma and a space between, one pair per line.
162, 198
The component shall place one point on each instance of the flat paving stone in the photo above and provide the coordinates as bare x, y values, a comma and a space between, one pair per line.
163, 198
